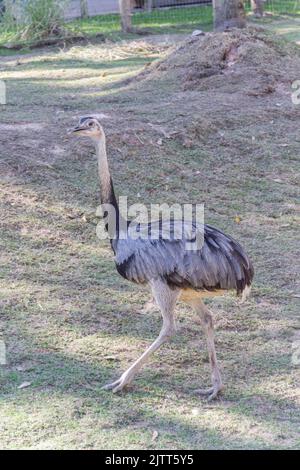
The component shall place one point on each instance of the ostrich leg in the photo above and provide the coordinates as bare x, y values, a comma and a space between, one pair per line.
166, 299
207, 324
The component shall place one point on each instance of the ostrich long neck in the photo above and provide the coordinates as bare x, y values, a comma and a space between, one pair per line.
107, 190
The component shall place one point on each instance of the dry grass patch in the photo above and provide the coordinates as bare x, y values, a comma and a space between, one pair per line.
70, 322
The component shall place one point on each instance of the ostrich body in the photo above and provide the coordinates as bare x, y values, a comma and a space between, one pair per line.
173, 272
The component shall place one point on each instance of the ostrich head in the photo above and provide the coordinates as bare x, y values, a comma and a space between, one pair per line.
89, 126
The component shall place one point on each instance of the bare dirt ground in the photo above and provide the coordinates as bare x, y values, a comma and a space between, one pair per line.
211, 122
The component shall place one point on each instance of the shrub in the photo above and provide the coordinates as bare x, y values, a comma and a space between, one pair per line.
34, 19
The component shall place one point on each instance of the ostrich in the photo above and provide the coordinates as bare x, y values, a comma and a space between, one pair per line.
172, 272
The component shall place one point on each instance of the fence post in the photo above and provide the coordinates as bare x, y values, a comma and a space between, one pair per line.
228, 14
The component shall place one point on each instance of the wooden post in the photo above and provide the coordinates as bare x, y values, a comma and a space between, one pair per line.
125, 12
84, 12
229, 14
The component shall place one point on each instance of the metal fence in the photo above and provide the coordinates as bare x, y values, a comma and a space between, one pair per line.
184, 14
274, 6
150, 4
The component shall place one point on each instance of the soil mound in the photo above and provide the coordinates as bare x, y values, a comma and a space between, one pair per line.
237, 82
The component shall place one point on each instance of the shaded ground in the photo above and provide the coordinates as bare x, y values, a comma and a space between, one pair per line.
71, 323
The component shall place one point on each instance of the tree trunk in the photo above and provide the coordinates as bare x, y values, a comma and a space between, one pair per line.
84, 12
229, 14
125, 12
257, 7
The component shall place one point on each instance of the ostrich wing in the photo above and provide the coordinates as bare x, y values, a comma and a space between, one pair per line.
220, 263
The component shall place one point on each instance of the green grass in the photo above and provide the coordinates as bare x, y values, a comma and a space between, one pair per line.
168, 20
291, 7
174, 20
5, 35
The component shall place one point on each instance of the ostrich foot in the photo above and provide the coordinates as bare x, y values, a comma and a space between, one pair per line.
212, 392
119, 384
